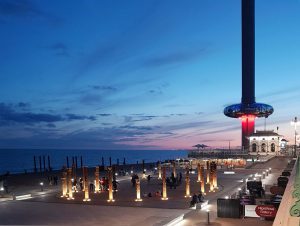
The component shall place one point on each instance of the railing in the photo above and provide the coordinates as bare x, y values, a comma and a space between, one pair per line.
288, 213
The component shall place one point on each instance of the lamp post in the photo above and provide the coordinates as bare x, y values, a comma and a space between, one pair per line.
164, 184
187, 184
138, 190
64, 184
110, 185
159, 170
208, 218
42, 186
294, 123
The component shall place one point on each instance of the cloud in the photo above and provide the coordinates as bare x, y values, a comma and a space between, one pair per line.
187, 125
108, 88
90, 99
174, 58
51, 125
60, 49
139, 127
106, 124
104, 115
19, 8
222, 130
122, 46
178, 114
23, 105
9, 115
106, 138
71, 117
128, 119
139, 117
156, 92
285, 91
25, 9
142, 118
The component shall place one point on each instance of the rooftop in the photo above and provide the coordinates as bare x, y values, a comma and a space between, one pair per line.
260, 133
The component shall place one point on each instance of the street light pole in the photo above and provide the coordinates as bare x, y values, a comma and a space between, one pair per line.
294, 123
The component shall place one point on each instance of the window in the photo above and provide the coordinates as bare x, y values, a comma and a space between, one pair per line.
253, 147
272, 147
263, 147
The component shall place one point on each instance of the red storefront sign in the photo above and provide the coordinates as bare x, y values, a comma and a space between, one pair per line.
266, 211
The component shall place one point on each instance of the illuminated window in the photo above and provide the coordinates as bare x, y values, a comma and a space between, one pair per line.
272, 147
253, 147
263, 147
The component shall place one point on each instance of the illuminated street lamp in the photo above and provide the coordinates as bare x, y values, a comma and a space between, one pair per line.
42, 186
295, 123
138, 191
159, 171
187, 184
164, 184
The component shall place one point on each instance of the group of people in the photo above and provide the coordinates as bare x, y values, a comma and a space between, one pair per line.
103, 185
134, 177
52, 179
154, 194
197, 199
173, 181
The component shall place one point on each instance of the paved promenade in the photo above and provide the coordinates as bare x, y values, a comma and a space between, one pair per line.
47, 208
199, 218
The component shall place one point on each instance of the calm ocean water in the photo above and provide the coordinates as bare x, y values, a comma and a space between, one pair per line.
18, 160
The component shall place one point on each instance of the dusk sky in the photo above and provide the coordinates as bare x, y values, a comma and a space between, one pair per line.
138, 74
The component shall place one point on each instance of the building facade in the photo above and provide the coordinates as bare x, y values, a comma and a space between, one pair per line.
266, 142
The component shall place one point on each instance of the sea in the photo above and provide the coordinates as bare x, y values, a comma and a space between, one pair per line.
21, 160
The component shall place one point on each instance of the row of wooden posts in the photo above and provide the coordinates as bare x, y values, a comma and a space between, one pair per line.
42, 163
69, 175
41, 160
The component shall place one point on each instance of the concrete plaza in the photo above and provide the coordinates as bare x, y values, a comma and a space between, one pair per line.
47, 208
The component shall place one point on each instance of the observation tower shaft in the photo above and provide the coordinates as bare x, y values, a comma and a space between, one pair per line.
248, 109
248, 52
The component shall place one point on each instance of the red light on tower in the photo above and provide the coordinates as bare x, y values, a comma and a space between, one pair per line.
248, 122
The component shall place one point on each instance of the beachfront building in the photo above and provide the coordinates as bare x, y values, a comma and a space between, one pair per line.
266, 142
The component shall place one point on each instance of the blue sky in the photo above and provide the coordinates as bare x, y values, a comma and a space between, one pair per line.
140, 74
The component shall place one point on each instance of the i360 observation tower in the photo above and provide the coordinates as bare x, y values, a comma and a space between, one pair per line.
248, 109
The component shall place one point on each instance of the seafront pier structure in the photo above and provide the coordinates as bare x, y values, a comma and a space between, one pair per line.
248, 109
